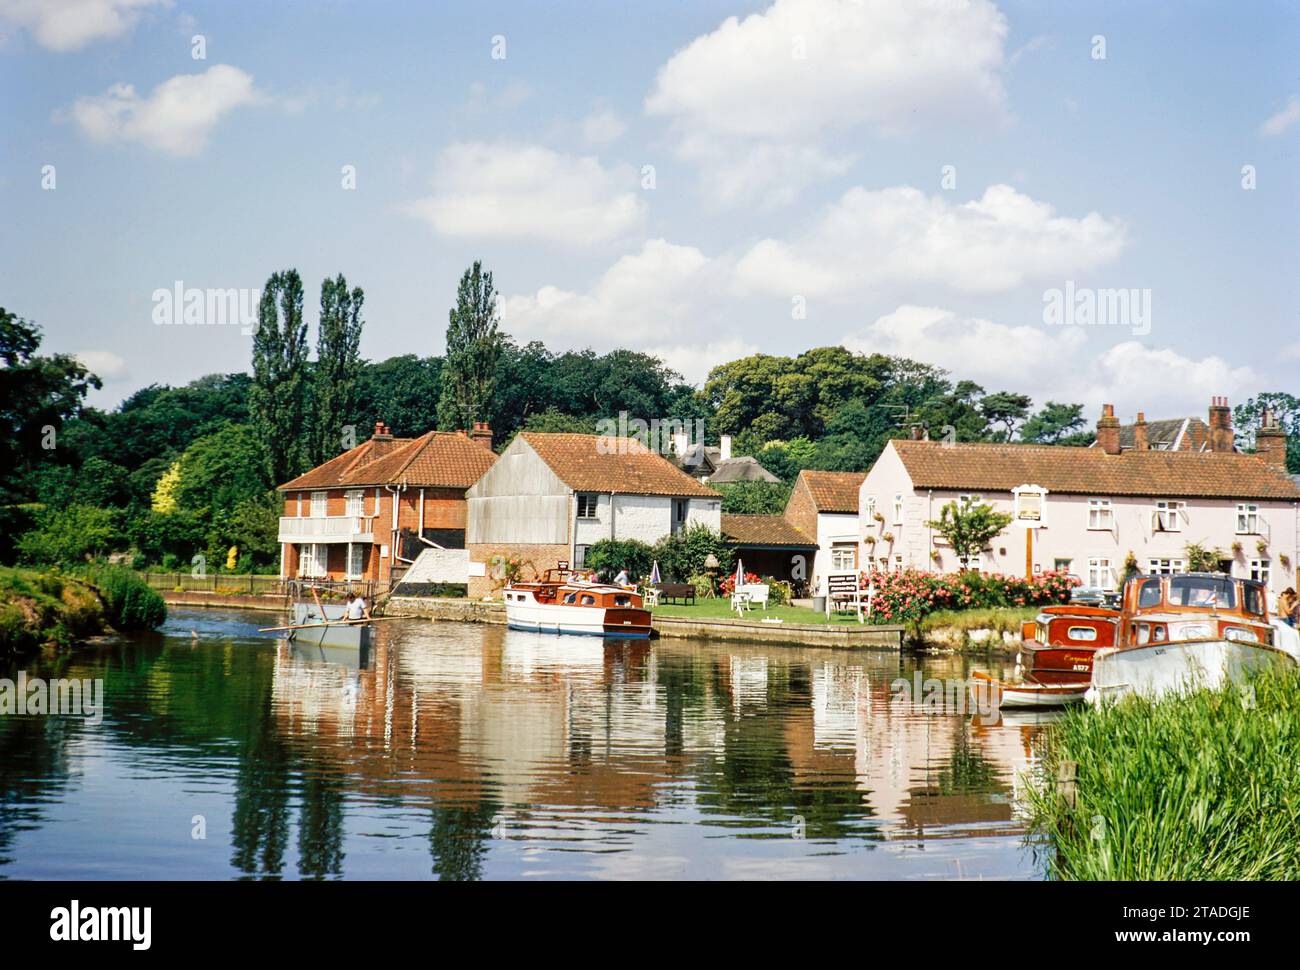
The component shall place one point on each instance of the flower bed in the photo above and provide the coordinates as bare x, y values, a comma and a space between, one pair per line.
910, 595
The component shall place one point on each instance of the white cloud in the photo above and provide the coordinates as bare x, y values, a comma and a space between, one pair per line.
104, 363
176, 118
776, 82
1131, 375
1284, 119
899, 235
67, 25
512, 191
602, 127
644, 296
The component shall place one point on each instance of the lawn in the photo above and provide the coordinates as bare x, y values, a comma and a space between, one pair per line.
720, 609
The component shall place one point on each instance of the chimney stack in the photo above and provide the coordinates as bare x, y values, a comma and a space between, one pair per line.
1141, 435
1221, 437
1108, 430
381, 432
482, 434
1270, 442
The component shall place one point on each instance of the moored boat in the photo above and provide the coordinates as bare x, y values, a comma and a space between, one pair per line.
560, 602
1054, 665
1186, 631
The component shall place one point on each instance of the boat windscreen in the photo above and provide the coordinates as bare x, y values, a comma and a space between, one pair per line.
1202, 591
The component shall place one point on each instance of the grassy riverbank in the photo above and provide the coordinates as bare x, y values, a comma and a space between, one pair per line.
720, 609
1203, 787
38, 608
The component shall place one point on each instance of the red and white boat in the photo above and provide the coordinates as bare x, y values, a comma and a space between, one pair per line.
563, 603
1054, 666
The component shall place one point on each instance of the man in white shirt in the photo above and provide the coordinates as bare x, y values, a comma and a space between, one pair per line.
621, 578
357, 609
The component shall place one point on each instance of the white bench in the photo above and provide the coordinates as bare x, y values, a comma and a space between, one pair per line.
748, 594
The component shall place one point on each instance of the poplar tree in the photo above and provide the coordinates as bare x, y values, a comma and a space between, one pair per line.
277, 400
338, 366
474, 342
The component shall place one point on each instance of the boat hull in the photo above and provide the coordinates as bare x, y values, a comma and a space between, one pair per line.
320, 631
578, 620
1161, 669
1000, 695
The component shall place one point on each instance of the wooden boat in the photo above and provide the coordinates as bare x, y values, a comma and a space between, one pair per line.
1054, 665
326, 624
1186, 631
561, 602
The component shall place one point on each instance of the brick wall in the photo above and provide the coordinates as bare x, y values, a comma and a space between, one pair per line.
542, 558
800, 511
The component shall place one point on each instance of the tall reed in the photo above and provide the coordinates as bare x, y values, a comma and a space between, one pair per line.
1205, 786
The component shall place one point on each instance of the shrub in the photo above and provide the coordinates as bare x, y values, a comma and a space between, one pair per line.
608, 556
70, 535
131, 604
908, 596
729, 584
682, 554
703, 583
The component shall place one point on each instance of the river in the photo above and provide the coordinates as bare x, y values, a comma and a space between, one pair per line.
461, 751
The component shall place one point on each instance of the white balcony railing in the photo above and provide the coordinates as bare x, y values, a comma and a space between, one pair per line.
327, 528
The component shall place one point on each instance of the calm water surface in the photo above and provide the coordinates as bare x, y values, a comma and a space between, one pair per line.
472, 752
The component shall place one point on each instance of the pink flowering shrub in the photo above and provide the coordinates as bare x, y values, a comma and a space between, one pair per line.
909, 595
729, 584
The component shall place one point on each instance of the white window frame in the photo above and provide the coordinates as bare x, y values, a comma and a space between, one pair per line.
1247, 518
898, 508
838, 550
591, 498
1101, 515
356, 503
314, 562
1166, 566
1101, 573
1168, 517
975, 562
1261, 570
357, 551
319, 504
871, 507
969, 498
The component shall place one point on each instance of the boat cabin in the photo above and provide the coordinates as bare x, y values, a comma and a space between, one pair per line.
1194, 606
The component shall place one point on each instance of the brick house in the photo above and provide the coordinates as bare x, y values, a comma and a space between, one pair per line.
824, 507
367, 513
550, 496
1095, 506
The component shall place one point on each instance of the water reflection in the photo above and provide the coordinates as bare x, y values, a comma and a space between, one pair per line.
466, 752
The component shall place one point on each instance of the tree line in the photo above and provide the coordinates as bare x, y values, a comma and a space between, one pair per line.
177, 472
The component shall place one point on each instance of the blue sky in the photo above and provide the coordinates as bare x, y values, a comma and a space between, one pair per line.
799, 194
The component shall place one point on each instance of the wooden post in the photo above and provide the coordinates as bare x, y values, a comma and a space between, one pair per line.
1029, 554
1067, 781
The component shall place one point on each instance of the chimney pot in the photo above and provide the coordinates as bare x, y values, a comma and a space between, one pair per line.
482, 433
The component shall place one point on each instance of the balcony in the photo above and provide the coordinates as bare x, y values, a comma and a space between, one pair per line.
327, 528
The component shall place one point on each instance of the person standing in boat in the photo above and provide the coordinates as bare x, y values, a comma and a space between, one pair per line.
1287, 604
357, 609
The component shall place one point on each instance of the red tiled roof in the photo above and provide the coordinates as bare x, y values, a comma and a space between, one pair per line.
763, 530
834, 491
591, 463
439, 459
1090, 471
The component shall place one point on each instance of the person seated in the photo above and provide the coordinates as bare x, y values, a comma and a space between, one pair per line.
357, 609
621, 578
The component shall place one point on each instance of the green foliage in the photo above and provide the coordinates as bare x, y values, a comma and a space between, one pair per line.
277, 400
1203, 559
1285, 408
1188, 788
754, 498
969, 528
131, 604
682, 554
608, 556
70, 535
1057, 424
402, 392
474, 341
36, 394
39, 608
338, 366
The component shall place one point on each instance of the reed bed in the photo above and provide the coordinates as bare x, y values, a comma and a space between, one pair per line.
1202, 787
